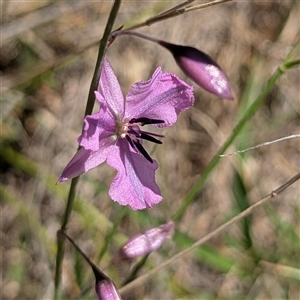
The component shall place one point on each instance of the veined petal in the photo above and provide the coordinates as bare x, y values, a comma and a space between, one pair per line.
96, 128
110, 90
134, 184
85, 160
162, 97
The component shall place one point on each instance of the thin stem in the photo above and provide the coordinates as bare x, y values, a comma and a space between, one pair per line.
209, 236
190, 197
108, 238
101, 53
60, 243
292, 64
293, 136
88, 110
136, 270
96, 270
140, 35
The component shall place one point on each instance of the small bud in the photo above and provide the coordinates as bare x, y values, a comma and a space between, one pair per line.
201, 68
146, 242
106, 290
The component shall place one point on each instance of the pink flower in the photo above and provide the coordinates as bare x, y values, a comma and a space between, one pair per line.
114, 135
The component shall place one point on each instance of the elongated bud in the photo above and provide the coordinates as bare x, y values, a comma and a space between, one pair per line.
105, 288
146, 242
201, 68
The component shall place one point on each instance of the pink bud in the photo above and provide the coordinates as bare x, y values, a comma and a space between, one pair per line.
106, 290
201, 68
147, 241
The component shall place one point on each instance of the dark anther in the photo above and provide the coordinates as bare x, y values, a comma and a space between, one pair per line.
146, 121
142, 151
130, 142
150, 138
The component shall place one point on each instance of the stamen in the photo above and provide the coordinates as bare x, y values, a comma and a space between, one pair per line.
134, 135
149, 138
145, 121
129, 140
154, 134
137, 146
143, 151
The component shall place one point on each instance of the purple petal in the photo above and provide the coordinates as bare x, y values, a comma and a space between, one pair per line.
162, 97
202, 69
97, 127
147, 242
110, 90
84, 160
106, 290
134, 184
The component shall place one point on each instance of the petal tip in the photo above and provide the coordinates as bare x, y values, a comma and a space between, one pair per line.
61, 179
228, 95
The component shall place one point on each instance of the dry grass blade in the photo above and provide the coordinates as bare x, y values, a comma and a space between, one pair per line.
175, 11
293, 136
200, 6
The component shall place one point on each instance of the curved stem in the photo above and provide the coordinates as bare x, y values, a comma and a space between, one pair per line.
98, 273
140, 35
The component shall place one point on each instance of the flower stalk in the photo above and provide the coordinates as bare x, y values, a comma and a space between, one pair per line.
88, 110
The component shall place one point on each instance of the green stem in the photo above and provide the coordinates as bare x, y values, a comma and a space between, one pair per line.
110, 235
101, 53
88, 110
97, 272
135, 271
190, 197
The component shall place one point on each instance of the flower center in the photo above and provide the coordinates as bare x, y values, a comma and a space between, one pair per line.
131, 131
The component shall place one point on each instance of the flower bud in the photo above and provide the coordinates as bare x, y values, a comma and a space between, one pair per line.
201, 68
106, 290
147, 241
